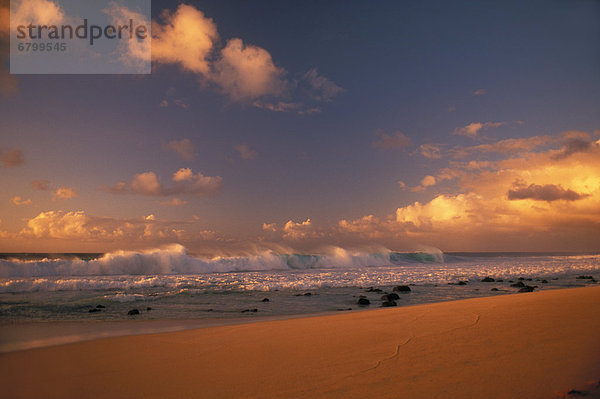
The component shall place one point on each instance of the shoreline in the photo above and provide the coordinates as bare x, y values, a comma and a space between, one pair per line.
534, 345
17, 335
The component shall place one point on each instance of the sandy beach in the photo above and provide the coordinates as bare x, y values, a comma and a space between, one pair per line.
532, 345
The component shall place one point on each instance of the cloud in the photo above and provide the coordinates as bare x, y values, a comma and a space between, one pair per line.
12, 158
185, 37
547, 192
401, 184
244, 72
174, 202
20, 201
322, 89
527, 200
479, 92
507, 146
44, 12
431, 151
473, 129
134, 53
185, 182
269, 226
297, 231
391, 141
246, 152
77, 225
184, 148
573, 146
247, 72
42, 185
64, 193
427, 181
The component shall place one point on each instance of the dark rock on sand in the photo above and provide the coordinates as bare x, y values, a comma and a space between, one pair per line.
344, 310
363, 301
575, 392
585, 277
527, 289
495, 289
462, 283
94, 310
390, 297
499, 280
100, 307
148, 308
133, 312
518, 285
488, 280
402, 288
250, 310
521, 278
265, 300
388, 304
371, 289
544, 281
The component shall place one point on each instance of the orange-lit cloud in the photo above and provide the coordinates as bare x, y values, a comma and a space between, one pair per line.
427, 181
42, 185
246, 152
535, 199
185, 37
64, 193
185, 182
174, 202
431, 151
473, 129
269, 226
244, 72
17, 200
12, 158
184, 148
247, 72
296, 231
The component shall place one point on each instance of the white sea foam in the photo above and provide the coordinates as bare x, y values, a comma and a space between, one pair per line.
171, 269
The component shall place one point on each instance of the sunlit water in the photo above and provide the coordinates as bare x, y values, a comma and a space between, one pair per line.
169, 284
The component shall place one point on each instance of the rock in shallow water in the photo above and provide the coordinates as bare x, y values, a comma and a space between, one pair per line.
388, 304
402, 288
363, 301
133, 312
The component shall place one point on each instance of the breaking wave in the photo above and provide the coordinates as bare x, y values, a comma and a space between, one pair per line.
175, 260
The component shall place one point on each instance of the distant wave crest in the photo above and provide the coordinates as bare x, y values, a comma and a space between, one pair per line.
174, 259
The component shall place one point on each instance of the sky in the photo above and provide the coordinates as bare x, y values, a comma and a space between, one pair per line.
310, 126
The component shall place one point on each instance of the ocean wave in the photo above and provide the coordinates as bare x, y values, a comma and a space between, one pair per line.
174, 259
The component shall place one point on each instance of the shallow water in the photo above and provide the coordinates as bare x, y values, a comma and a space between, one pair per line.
169, 284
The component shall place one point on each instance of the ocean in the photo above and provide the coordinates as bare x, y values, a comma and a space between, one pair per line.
168, 283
